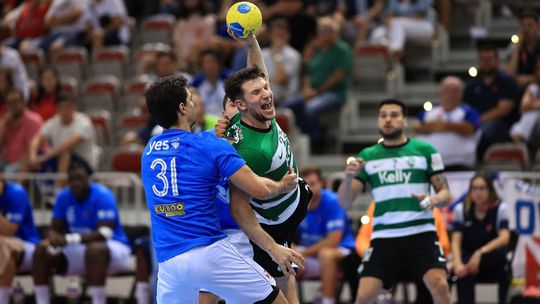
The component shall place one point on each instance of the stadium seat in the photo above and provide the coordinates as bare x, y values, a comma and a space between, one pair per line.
100, 93
138, 84
145, 53
101, 119
33, 61
71, 62
371, 66
285, 120
156, 28
110, 61
513, 155
69, 85
127, 158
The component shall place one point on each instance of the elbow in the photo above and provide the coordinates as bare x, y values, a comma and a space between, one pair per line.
262, 192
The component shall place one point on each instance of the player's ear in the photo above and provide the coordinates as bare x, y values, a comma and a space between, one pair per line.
182, 108
240, 104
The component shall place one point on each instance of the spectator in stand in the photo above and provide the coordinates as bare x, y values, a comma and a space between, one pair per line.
451, 127
363, 16
192, 33
85, 238
480, 237
49, 88
17, 128
495, 95
210, 81
69, 23
329, 61
18, 235
29, 24
6, 85
524, 55
71, 137
282, 61
524, 129
406, 20
325, 234
112, 28
10, 59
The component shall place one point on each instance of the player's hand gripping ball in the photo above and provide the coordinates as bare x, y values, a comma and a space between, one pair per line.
244, 18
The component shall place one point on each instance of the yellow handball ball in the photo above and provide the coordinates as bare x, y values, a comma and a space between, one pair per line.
244, 18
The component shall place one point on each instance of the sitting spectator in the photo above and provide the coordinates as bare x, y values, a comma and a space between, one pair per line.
6, 85
68, 22
112, 26
479, 238
524, 56
494, 94
283, 63
17, 128
325, 235
29, 25
10, 59
364, 15
85, 237
49, 88
18, 235
406, 20
329, 62
451, 127
210, 81
192, 33
523, 130
70, 135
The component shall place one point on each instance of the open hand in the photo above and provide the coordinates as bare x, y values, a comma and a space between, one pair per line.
285, 257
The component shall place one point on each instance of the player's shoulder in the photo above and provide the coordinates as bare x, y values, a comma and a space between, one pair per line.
371, 152
331, 198
421, 146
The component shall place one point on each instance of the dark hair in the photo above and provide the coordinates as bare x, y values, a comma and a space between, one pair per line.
487, 47
493, 197
76, 164
211, 52
169, 54
528, 13
311, 169
41, 89
164, 97
233, 83
65, 98
392, 101
280, 23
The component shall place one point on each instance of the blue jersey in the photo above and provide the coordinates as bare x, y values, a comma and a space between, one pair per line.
328, 217
83, 217
180, 172
15, 206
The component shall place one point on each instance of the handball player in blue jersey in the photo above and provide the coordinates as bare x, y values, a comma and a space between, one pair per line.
18, 235
180, 172
85, 237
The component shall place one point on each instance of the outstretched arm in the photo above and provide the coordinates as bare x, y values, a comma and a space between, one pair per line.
255, 57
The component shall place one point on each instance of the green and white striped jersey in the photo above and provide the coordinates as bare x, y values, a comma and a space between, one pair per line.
268, 153
394, 173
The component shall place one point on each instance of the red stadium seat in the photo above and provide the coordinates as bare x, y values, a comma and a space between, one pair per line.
110, 61
138, 84
156, 28
127, 158
33, 61
100, 93
71, 62
69, 85
507, 153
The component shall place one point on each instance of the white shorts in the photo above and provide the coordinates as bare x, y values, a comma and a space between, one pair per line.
120, 257
240, 241
26, 263
218, 268
313, 268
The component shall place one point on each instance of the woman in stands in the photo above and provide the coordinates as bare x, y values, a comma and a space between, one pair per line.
480, 236
44, 103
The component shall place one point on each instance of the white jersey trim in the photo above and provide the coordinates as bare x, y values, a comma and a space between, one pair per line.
385, 193
401, 232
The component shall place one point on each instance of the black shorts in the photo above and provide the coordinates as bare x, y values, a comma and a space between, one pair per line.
283, 233
386, 259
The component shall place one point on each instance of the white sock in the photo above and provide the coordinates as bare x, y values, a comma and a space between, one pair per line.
4, 294
328, 301
42, 294
98, 295
141, 293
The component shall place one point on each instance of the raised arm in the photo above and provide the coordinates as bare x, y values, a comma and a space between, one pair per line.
255, 56
350, 186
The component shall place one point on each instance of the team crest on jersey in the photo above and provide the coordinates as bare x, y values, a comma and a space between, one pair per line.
234, 134
410, 162
173, 209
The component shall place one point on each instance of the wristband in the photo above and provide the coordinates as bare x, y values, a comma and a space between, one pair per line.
106, 232
73, 238
426, 203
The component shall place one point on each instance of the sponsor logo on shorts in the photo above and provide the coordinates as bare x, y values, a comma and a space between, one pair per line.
174, 209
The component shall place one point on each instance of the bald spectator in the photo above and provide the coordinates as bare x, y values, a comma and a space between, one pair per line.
451, 127
10, 59
328, 60
524, 54
495, 95
17, 128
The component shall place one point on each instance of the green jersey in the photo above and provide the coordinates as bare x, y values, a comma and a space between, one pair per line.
268, 153
394, 173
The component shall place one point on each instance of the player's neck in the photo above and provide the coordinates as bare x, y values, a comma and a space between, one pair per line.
396, 142
181, 125
257, 124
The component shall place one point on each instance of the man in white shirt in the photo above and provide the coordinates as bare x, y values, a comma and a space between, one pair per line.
10, 58
452, 128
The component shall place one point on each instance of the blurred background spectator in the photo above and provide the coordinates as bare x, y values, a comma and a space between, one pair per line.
48, 91
10, 59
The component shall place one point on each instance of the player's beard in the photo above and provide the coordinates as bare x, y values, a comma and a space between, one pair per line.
395, 134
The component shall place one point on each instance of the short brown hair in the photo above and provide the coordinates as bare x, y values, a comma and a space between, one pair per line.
311, 169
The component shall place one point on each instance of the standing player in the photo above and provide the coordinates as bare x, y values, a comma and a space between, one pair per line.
267, 151
180, 172
400, 171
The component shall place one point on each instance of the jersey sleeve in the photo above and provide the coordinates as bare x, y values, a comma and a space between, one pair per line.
225, 157
435, 161
18, 201
255, 160
336, 218
106, 210
59, 209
